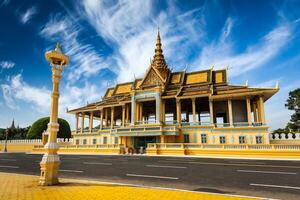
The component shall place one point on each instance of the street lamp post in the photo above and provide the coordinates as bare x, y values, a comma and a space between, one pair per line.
6, 135
50, 161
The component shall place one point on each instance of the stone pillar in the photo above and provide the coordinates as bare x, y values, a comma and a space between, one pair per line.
157, 106
137, 112
112, 117
211, 111
248, 110
127, 112
76, 122
123, 115
101, 119
162, 139
133, 109
194, 109
140, 111
254, 111
178, 111
82, 121
91, 121
106, 117
230, 112
262, 110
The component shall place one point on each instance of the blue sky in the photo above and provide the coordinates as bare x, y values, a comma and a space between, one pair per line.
109, 42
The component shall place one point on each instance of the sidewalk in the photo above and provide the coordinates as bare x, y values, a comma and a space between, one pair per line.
21, 187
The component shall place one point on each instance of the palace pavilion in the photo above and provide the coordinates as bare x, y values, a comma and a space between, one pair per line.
198, 107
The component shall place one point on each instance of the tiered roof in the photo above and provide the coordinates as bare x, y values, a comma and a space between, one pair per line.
182, 84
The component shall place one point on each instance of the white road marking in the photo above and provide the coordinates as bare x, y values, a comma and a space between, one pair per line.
118, 159
267, 172
133, 158
89, 157
260, 163
7, 166
150, 176
167, 166
6, 159
96, 163
69, 170
182, 160
275, 186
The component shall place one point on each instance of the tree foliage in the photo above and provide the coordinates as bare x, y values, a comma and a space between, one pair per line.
293, 104
39, 126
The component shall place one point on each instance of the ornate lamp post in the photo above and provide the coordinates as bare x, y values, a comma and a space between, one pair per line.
50, 161
6, 135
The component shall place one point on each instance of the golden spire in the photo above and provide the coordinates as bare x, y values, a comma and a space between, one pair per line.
159, 60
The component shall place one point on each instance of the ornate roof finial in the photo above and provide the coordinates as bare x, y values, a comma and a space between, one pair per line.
57, 48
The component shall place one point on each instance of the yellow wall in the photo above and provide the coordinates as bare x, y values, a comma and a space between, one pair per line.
18, 147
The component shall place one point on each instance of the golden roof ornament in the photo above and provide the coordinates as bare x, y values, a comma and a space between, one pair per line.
158, 61
56, 56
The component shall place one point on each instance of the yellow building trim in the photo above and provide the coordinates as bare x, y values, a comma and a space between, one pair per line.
200, 77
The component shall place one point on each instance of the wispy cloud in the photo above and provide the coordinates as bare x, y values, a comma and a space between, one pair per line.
16, 90
7, 64
133, 38
28, 14
221, 53
85, 60
5, 2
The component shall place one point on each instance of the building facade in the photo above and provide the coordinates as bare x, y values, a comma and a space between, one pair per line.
175, 107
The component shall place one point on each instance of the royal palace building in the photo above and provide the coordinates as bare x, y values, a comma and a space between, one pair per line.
175, 107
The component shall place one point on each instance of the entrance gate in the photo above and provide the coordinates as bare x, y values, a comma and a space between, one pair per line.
142, 141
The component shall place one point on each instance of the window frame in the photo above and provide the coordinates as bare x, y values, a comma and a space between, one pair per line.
261, 139
244, 139
186, 138
203, 137
223, 140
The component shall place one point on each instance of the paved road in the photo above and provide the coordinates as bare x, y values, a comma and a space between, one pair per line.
262, 178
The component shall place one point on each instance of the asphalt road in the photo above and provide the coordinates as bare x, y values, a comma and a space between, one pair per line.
261, 178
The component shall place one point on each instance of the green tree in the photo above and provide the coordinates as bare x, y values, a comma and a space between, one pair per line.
293, 104
39, 126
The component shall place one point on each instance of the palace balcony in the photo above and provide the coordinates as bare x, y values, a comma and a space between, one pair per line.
153, 128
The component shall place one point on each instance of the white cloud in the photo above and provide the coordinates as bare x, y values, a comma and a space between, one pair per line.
133, 38
16, 90
85, 61
5, 2
28, 14
221, 53
7, 64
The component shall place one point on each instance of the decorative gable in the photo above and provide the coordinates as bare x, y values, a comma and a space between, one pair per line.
152, 79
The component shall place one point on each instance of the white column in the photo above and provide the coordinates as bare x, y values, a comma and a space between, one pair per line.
194, 109
248, 110
157, 107
178, 111
262, 109
132, 110
101, 118
112, 117
91, 121
211, 111
76, 122
82, 121
123, 115
230, 112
